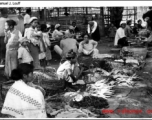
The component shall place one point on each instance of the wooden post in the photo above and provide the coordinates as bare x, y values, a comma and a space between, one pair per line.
58, 11
86, 11
44, 14
101, 22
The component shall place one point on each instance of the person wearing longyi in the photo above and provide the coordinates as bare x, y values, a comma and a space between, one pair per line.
88, 46
12, 37
120, 37
34, 43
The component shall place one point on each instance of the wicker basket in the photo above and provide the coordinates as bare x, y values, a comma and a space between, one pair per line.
142, 52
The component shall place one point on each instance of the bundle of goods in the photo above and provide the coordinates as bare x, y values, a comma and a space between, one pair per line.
134, 52
123, 78
103, 64
102, 56
95, 75
100, 89
86, 60
87, 101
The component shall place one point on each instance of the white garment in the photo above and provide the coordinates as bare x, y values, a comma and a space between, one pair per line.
119, 34
66, 65
29, 32
62, 71
14, 36
56, 34
23, 101
46, 40
26, 19
25, 55
93, 28
2, 23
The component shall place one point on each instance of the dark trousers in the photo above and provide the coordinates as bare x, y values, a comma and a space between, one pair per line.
123, 42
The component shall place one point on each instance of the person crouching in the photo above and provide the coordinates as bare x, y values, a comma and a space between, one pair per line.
66, 68
24, 55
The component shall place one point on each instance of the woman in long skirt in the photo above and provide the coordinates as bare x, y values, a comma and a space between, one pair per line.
12, 37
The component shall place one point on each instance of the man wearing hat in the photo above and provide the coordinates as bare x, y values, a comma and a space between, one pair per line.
57, 34
24, 55
120, 34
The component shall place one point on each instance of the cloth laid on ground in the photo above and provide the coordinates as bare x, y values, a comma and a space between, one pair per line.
23, 101
101, 56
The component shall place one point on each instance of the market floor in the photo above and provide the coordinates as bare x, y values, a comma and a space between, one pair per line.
138, 99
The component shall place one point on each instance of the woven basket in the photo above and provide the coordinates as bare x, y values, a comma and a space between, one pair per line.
142, 52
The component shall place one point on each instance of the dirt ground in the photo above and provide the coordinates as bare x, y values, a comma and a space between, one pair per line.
125, 98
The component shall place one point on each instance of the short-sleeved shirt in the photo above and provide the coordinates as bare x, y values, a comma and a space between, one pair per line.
24, 54
26, 19
88, 46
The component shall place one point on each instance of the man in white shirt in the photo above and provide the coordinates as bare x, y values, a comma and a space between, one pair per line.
27, 18
120, 33
3, 19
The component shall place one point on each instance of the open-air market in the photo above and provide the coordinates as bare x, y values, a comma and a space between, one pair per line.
76, 62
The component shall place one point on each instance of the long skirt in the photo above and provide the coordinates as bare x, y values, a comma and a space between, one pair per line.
96, 35
10, 61
34, 50
48, 54
2, 48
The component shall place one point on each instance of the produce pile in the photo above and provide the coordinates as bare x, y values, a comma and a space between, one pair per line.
100, 77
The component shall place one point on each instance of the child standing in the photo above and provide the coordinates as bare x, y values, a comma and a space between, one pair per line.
47, 43
112, 31
24, 55
39, 37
